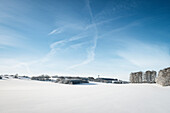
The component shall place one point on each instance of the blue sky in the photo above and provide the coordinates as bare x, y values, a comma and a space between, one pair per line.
84, 37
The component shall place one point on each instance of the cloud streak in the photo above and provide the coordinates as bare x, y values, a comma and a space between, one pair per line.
101, 22
11, 40
91, 50
56, 31
55, 45
143, 55
15, 66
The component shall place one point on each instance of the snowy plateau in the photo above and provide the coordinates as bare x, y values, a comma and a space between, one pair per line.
28, 96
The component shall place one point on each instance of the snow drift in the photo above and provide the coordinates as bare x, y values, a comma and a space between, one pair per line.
26, 96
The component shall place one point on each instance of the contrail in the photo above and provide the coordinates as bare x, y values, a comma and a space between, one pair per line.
91, 52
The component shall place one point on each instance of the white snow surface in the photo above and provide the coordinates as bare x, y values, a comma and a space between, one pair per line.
27, 96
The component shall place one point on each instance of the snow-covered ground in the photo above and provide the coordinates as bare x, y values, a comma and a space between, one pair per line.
26, 96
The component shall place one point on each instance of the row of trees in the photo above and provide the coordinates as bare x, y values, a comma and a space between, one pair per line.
41, 78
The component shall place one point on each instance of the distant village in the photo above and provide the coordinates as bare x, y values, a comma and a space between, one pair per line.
163, 78
66, 79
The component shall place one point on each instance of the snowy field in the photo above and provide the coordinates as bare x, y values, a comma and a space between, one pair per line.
26, 96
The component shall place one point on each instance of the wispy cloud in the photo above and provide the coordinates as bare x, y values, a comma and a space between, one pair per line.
15, 66
10, 40
125, 27
91, 50
90, 58
57, 45
56, 31
144, 55
102, 22
53, 45
120, 29
78, 36
6, 40
75, 46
